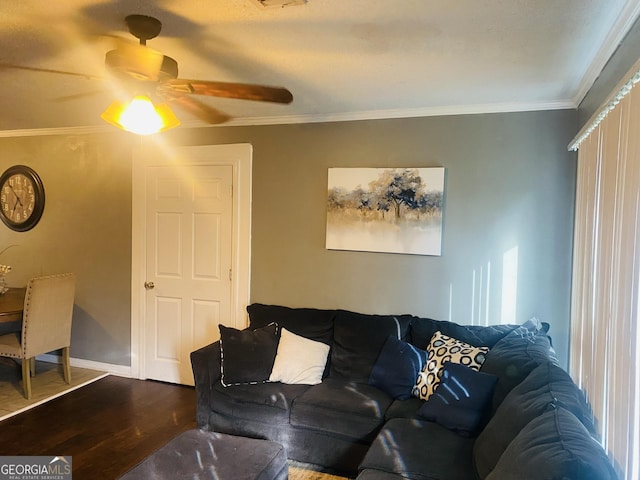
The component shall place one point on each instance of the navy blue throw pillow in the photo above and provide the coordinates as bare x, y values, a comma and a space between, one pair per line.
397, 368
461, 401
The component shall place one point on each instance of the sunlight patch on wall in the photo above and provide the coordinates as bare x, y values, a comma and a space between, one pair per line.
480, 294
485, 300
509, 286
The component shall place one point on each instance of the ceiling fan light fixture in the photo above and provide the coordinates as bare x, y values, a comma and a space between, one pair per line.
140, 116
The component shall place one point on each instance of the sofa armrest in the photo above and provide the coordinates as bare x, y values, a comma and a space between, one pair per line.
205, 364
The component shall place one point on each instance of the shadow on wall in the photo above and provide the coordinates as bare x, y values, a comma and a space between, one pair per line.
89, 339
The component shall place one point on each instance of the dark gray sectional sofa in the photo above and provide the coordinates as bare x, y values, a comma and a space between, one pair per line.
536, 423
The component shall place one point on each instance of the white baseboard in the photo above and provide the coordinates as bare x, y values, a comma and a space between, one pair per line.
119, 370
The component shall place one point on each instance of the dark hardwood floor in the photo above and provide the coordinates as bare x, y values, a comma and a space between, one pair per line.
107, 427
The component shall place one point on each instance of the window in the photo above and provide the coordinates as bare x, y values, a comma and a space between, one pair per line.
605, 335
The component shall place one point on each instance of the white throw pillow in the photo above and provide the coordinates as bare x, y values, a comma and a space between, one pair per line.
299, 360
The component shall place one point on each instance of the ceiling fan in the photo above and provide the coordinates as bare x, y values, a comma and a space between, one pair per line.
147, 71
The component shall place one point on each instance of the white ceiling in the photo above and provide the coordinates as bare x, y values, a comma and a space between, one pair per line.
341, 59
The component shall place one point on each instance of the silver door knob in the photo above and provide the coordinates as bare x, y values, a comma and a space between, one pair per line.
149, 285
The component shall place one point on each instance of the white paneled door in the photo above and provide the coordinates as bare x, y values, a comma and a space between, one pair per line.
189, 222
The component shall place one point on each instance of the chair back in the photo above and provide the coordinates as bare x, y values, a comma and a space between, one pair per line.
48, 308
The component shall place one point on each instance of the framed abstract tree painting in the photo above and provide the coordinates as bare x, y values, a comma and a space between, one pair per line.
392, 210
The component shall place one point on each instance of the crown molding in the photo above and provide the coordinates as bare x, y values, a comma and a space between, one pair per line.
322, 118
401, 113
37, 132
629, 14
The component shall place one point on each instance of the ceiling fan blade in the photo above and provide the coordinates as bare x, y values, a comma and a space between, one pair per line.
242, 91
46, 70
198, 109
76, 96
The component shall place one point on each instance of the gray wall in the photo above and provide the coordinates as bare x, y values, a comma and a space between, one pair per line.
510, 183
85, 228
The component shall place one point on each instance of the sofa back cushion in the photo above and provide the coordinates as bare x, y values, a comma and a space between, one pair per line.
422, 329
514, 357
547, 385
311, 323
554, 445
358, 340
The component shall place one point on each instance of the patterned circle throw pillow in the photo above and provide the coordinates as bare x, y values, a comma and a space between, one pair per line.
443, 349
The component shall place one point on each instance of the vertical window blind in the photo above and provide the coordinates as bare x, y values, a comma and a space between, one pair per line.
605, 335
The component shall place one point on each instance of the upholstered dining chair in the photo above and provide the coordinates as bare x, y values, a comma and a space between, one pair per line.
46, 325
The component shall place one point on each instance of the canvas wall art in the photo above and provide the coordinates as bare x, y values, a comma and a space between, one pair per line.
392, 210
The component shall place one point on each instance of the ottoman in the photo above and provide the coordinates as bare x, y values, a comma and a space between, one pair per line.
210, 455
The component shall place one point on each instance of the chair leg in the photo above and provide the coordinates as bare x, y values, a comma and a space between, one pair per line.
26, 377
32, 365
66, 362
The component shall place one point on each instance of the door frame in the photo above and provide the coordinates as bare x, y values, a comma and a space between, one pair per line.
154, 152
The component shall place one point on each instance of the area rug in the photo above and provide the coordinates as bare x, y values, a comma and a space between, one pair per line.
46, 385
299, 471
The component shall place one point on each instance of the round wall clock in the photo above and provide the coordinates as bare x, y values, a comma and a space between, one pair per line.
21, 198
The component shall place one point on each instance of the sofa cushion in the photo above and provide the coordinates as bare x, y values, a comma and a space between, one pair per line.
545, 386
422, 329
442, 349
420, 450
265, 402
515, 356
460, 402
247, 356
404, 409
299, 360
553, 446
355, 410
397, 368
310, 323
358, 339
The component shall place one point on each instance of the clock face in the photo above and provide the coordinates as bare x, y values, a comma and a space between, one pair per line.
21, 198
